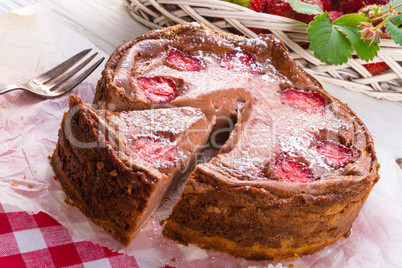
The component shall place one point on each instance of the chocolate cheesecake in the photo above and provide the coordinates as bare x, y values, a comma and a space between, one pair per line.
297, 165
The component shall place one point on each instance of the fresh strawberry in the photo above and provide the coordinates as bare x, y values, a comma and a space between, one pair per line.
258, 5
283, 8
158, 89
336, 154
183, 61
311, 102
376, 68
377, 2
348, 6
155, 151
333, 15
280, 8
258, 30
326, 4
293, 171
240, 61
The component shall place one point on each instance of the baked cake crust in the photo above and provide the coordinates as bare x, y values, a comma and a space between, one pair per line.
239, 202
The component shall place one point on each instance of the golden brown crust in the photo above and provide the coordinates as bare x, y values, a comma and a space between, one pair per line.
255, 224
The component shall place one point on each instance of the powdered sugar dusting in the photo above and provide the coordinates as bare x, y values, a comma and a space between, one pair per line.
235, 74
149, 122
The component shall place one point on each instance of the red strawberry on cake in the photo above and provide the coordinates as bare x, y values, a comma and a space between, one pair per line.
240, 61
311, 102
156, 151
336, 154
158, 89
183, 61
292, 171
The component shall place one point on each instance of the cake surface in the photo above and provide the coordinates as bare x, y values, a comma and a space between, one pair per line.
297, 165
117, 167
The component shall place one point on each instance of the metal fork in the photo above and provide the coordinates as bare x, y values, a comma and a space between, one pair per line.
60, 79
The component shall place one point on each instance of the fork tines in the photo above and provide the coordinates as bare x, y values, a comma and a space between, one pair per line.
54, 79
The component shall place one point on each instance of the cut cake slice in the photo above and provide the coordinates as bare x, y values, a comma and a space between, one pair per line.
118, 167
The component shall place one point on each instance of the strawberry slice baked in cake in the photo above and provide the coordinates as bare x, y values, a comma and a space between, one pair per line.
118, 167
297, 164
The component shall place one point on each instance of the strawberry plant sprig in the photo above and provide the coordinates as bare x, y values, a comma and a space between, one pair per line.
334, 42
334, 36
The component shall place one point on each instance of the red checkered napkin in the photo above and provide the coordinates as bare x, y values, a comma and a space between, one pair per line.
39, 241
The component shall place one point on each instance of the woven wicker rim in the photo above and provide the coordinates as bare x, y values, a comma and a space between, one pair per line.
352, 75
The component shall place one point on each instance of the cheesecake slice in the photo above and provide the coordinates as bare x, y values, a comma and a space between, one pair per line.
117, 167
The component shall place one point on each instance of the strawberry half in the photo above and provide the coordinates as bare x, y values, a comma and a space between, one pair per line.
376, 68
336, 154
293, 171
311, 102
155, 151
183, 61
158, 89
240, 61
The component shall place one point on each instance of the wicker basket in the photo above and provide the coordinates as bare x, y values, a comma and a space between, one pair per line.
238, 19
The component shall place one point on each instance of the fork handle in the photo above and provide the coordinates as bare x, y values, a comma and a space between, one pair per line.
10, 88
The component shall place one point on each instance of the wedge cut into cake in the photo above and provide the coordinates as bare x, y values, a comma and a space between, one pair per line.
117, 167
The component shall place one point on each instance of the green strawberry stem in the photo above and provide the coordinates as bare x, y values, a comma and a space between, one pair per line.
381, 24
391, 8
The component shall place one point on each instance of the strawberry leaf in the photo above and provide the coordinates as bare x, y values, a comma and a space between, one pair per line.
362, 47
397, 20
328, 43
394, 32
351, 21
349, 25
302, 7
393, 25
393, 3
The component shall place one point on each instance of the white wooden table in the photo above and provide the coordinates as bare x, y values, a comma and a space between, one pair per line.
107, 23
